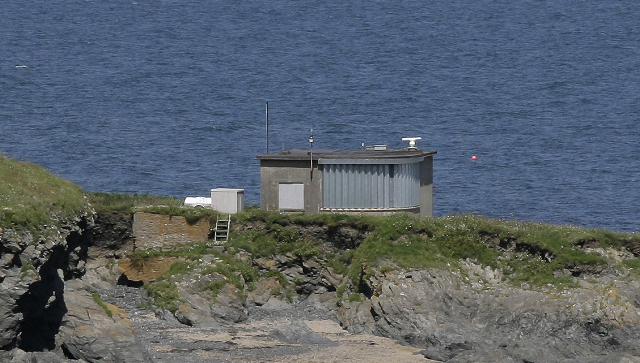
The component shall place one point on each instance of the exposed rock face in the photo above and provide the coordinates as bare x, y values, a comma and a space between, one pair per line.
96, 334
229, 305
112, 234
299, 333
32, 279
457, 320
47, 312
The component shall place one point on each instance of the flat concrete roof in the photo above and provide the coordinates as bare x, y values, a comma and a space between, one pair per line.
342, 155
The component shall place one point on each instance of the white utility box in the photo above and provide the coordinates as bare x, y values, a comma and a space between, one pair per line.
227, 200
198, 202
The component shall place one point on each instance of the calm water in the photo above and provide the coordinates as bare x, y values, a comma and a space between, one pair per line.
168, 97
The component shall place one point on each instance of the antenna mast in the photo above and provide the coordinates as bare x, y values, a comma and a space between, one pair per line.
267, 124
311, 147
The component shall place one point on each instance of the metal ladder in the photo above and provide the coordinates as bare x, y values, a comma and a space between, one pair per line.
221, 233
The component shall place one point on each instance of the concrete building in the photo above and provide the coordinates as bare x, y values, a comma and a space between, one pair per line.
376, 180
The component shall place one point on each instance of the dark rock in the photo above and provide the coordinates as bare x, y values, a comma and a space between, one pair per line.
275, 304
633, 246
299, 333
264, 290
265, 264
112, 234
196, 310
9, 321
229, 306
356, 317
455, 322
89, 333
125, 281
20, 356
588, 243
345, 237
187, 315
330, 279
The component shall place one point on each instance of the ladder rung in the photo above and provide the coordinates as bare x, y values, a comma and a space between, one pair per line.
222, 229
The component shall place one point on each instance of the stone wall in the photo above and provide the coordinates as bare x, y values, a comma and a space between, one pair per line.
162, 231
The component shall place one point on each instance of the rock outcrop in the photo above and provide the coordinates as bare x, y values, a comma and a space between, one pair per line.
95, 333
456, 319
32, 276
48, 311
51, 307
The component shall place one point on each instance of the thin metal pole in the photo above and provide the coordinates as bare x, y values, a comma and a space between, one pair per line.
267, 121
311, 150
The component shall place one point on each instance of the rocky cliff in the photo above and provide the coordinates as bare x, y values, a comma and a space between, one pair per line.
48, 307
60, 302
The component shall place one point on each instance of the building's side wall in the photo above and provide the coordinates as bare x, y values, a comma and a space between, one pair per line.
274, 172
426, 187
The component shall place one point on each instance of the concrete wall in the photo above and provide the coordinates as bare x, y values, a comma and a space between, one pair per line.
426, 187
274, 172
161, 231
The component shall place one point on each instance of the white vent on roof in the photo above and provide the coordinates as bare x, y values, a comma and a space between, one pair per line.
412, 141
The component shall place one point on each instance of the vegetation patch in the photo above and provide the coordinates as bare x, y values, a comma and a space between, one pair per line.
31, 197
633, 265
275, 239
98, 299
189, 251
526, 252
116, 202
164, 293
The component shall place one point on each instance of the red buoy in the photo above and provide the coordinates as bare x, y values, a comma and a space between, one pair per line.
474, 158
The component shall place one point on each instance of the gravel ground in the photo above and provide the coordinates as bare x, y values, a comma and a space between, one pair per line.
298, 333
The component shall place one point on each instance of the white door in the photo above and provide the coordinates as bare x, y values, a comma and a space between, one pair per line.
291, 196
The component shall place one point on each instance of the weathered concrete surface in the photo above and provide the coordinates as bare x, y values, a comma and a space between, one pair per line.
154, 231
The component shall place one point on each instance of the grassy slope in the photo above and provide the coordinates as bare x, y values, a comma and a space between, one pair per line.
30, 195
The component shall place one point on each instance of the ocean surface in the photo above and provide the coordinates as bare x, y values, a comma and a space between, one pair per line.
168, 97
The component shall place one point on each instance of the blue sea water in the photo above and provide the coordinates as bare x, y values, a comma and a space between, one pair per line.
168, 97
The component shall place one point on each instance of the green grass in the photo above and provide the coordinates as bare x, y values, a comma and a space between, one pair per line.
633, 265
538, 251
411, 242
31, 197
275, 240
115, 202
164, 293
131, 203
102, 304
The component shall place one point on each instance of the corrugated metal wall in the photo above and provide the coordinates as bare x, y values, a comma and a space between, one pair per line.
348, 186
